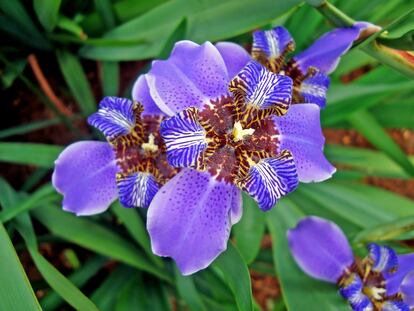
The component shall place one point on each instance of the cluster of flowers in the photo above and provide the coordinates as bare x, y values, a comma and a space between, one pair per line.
206, 123
382, 281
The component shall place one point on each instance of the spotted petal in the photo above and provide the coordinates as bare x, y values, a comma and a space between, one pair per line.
351, 290
394, 279
313, 89
270, 179
141, 93
407, 289
301, 134
136, 189
262, 88
189, 219
192, 76
115, 117
235, 57
384, 258
320, 248
184, 138
85, 174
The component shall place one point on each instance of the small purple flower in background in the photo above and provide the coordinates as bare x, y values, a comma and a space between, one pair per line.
382, 281
132, 166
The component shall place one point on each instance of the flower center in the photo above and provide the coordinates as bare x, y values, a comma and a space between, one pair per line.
150, 146
375, 293
239, 133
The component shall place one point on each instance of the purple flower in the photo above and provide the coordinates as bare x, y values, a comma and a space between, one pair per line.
132, 166
381, 281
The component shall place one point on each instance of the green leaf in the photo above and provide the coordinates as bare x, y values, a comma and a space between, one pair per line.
19, 294
47, 12
234, 272
27, 128
28, 153
373, 131
105, 10
90, 235
188, 291
110, 78
300, 292
76, 79
249, 231
405, 42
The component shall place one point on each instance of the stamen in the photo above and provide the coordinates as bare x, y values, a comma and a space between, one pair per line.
375, 293
239, 133
150, 146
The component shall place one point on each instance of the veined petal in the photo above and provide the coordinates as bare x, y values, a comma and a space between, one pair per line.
270, 179
85, 174
313, 89
395, 306
115, 117
301, 134
270, 47
407, 289
394, 279
192, 76
324, 53
320, 248
141, 93
384, 259
351, 290
184, 138
136, 189
256, 85
235, 57
189, 219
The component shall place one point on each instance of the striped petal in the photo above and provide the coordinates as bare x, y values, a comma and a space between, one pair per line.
270, 179
351, 290
184, 138
407, 289
395, 306
393, 279
384, 259
115, 117
260, 87
313, 89
137, 189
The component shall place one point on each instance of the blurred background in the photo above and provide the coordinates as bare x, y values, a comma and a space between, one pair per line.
58, 58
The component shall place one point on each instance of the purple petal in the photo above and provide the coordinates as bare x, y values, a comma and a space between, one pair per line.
351, 290
115, 117
407, 289
262, 88
273, 43
394, 305
137, 189
384, 259
301, 134
189, 219
320, 248
85, 175
141, 93
190, 77
313, 89
324, 53
393, 280
236, 210
235, 57
270, 179
184, 138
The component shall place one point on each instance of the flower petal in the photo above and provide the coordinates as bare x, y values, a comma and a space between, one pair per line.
236, 210
137, 189
407, 289
115, 117
352, 292
256, 85
393, 280
324, 53
189, 219
235, 57
190, 77
394, 305
313, 89
141, 93
270, 179
384, 259
320, 248
184, 138
301, 134
85, 175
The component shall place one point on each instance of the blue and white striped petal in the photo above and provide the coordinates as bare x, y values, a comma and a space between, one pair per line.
272, 43
136, 189
115, 117
313, 89
270, 179
384, 259
184, 138
262, 88
395, 306
351, 290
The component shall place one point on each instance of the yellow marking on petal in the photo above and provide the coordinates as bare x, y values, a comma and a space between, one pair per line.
239, 133
150, 146
374, 292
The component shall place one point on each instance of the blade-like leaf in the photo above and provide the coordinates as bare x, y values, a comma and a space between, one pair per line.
47, 12
188, 292
28, 153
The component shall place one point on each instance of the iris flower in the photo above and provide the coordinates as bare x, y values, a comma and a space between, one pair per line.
382, 281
